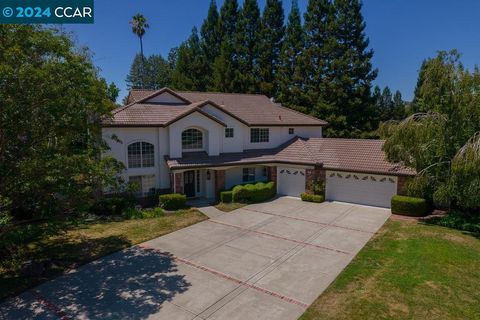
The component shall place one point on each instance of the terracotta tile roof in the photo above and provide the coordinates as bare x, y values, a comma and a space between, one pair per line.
255, 109
251, 109
144, 114
358, 155
361, 155
138, 94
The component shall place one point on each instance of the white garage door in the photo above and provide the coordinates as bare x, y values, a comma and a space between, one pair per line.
368, 189
290, 181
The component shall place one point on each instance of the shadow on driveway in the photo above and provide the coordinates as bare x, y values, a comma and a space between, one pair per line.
134, 283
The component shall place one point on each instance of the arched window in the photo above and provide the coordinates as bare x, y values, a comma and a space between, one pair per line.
140, 155
192, 139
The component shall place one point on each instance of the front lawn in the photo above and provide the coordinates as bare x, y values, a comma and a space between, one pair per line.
82, 241
227, 207
408, 270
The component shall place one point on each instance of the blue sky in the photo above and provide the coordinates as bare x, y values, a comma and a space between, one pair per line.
402, 33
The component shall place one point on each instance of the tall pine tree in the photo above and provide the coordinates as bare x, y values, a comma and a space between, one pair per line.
191, 67
225, 64
246, 48
270, 44
338, 68
211, 38
289, 79
313, 63
157, 73
352, 70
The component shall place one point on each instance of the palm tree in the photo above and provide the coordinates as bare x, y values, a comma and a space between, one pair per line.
139, 25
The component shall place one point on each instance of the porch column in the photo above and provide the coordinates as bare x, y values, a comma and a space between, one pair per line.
272, 174
401, 185
312, 175
177, 182
219, 182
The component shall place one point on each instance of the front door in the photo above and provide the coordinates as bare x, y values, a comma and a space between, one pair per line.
189, 183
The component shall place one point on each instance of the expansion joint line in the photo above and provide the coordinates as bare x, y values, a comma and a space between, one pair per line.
227, 277
279, 237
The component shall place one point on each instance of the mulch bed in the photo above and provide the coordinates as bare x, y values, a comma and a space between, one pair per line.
435, 213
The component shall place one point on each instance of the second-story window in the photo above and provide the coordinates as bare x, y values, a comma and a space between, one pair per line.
291, 130
192, 139
140, 155
259, 135
228, 132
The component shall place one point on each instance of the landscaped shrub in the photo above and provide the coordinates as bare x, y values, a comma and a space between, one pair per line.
458, 220
251, 193
312, 197
134, 213
173, 201
409, 206
112, 205
319, 187
226, 196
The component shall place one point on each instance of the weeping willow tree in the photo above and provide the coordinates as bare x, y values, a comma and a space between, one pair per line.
442, 140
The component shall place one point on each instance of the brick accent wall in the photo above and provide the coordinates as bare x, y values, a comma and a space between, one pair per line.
311, 175
219, 182
401, 185
178, 182
272, 174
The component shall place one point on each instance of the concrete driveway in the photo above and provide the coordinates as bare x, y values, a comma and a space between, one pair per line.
264, 261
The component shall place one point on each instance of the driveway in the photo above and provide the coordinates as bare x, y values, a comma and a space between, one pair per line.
264, 261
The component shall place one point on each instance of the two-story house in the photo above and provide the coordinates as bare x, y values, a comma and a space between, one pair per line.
199, 143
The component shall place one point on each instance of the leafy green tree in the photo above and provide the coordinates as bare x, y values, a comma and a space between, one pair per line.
290, 78
113, 91
225, 65
135, 78
399, 107
387, 106
210, 40
157, 73
443, 143
246, 48
50, 134
270, 42
190, 68
415, 107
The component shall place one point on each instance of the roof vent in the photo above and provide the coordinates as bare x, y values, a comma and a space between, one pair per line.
280, 117
272, 99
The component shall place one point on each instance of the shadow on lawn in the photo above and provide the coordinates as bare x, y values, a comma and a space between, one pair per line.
130, 284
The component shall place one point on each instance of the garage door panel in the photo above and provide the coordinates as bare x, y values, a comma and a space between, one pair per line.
290, 181
368, 189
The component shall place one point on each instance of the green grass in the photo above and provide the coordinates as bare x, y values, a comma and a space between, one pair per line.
79, 243
408, 270
227, 207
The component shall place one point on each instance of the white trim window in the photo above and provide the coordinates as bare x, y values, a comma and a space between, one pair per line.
258, 135
192, 139
228, 132
145, 184
140, 155
248, 174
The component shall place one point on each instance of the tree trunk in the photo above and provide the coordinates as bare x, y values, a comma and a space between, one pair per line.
143, 63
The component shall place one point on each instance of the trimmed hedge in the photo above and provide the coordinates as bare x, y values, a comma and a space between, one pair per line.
112, 206
172, 201
312, 197
251, 193
409, 206
226, 196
